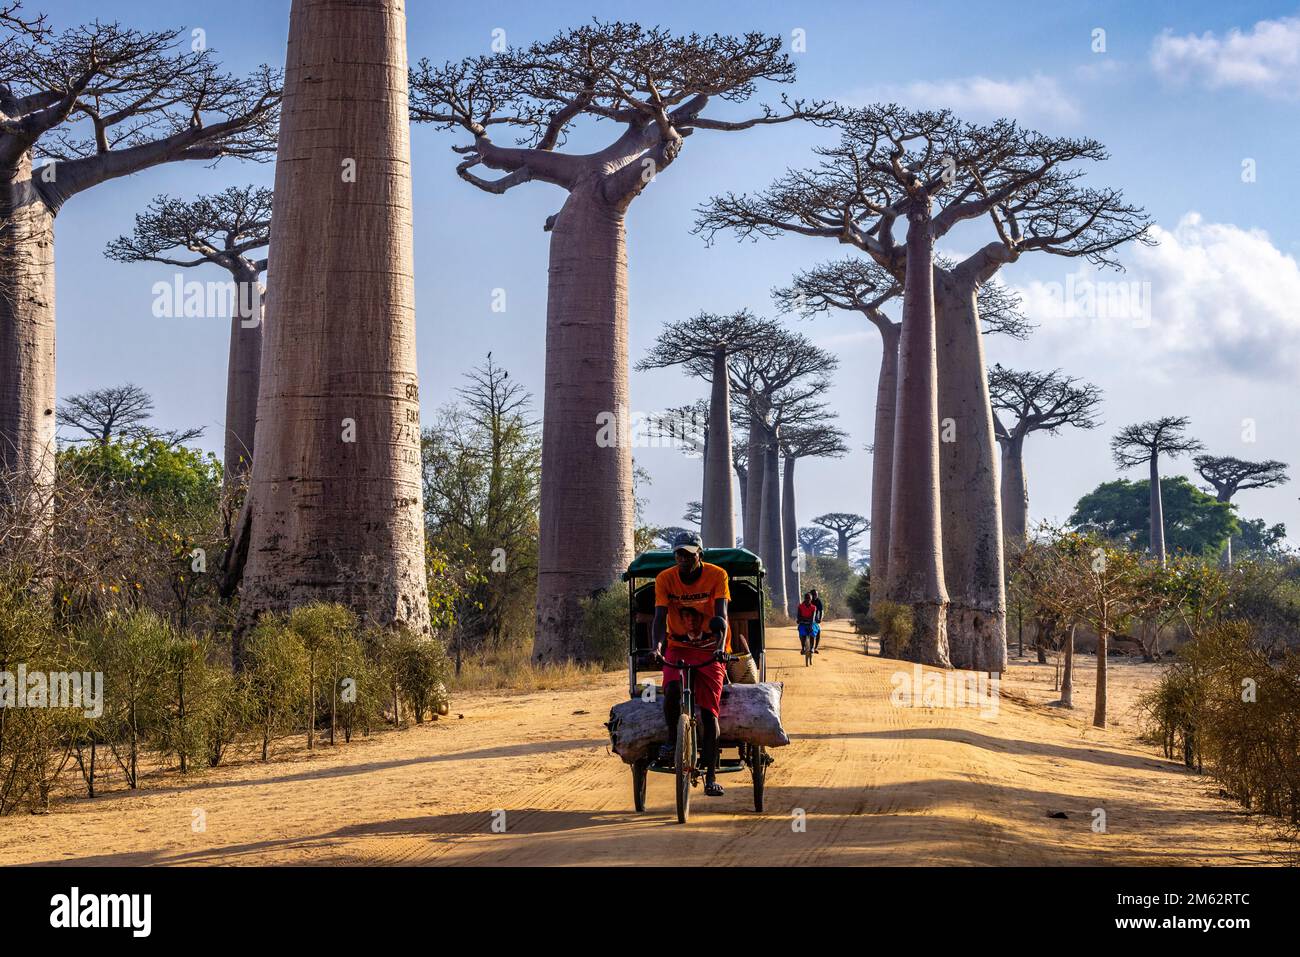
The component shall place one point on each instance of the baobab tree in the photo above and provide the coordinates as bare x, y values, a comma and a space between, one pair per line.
704, 345
778, 387
334, 510
115, 412
816, 541
862, 285
1143, 444
225, 229
1228, 475
783, 363
848, 527
655, 87
930, 172
1032, 402
815, 440
95, 103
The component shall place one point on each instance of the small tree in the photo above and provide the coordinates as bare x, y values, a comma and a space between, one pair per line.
1090, 581
118, 412
276, 669
1143, 444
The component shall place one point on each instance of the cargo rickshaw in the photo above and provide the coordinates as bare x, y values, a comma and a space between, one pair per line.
745, 617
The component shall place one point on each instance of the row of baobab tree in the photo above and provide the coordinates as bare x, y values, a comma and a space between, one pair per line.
335, 520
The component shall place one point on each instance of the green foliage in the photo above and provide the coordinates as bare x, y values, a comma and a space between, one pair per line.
422, 671
604, 626
859, 604
1195, 522
277, 678
482, 480
895, 622
179, 477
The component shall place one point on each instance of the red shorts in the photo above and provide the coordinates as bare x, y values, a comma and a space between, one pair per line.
706, 682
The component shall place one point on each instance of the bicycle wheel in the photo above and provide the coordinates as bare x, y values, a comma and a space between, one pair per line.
639, 775
684, 765
759, 771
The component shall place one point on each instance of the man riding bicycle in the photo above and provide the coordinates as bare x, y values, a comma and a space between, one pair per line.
821, 608
809, 631
686, 596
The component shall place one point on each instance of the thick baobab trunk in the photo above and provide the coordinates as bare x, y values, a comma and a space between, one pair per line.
1014, 493
1157, 513
969, 484
337, 512
915, 546
1099, 709
752, 499
26, 328
718, 522
842, 545
769, 538
586, 493
243, 372
790, 539
1067, 676
882, 458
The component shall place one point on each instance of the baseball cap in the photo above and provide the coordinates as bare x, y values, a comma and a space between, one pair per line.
688, 540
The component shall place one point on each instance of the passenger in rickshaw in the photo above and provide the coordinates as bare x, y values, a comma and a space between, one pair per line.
687, 595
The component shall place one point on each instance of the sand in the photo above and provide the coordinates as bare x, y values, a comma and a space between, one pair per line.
527, 779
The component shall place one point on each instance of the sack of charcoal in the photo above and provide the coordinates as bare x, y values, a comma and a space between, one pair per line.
750, 713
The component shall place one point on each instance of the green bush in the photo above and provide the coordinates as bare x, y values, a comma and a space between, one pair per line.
276, 679
895, 625
604, 627
858, 601
423, 670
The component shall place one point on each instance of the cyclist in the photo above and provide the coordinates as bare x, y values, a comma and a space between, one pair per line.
817, 632
806, 617
687, 595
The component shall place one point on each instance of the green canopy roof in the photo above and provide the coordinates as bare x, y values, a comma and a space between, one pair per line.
736, 561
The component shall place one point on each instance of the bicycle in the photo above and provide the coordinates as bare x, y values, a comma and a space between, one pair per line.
686, 754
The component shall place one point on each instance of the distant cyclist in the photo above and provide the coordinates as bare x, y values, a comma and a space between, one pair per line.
817, 632
806, 618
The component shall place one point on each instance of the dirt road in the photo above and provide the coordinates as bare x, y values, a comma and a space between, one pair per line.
877, 784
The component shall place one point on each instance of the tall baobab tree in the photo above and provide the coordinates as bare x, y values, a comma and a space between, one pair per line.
782, 364
1143, 444
225, 229
335, 510
815, 440
1037, 402
862, 285
94, 103
778, 386
1229, 475
655, 87
704, 345
929, 172
848, 528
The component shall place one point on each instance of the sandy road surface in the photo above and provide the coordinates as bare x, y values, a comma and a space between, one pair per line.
878, 784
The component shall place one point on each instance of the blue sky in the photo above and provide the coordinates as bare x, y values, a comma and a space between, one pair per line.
1182, 96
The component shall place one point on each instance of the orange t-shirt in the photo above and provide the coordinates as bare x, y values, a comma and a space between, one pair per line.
702, 594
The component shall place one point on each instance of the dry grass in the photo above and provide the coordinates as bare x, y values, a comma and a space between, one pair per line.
511, 669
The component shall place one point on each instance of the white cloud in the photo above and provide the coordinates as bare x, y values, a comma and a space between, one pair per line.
979, 97
1266, 59
1208, 298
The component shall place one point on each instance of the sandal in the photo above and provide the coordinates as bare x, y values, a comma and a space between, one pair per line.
713, 789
